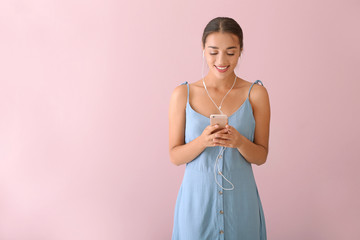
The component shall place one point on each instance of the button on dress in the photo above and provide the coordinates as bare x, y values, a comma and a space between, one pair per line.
203, 209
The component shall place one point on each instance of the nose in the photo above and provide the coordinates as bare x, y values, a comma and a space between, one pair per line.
222, 60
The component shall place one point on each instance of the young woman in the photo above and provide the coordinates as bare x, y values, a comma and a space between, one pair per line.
218, 197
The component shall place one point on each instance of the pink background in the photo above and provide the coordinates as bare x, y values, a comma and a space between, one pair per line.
82, 158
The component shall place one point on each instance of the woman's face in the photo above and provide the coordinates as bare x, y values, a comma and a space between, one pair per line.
222, 50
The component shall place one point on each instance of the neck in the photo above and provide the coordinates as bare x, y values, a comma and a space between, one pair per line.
225, 83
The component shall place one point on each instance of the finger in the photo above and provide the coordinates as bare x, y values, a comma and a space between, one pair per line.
221, 131
231, 129
209, 129
221, 142
225, 136
213, 128
222, 135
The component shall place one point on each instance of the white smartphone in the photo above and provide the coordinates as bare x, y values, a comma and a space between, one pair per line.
220, 119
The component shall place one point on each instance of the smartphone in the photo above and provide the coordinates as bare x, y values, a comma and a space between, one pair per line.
220, 119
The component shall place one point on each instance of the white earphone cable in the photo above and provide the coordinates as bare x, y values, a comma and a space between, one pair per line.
216, 164
222, 148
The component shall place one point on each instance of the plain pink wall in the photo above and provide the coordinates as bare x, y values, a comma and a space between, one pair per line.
81, 157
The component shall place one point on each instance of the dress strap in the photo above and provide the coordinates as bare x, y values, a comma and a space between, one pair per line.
187, 88
253, 84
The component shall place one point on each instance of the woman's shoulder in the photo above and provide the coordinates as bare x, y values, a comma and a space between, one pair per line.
259, 97
179, 93
258, 90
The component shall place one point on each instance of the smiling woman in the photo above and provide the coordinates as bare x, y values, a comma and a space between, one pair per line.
218, 197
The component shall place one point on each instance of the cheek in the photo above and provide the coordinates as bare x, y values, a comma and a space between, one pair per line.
211, 62
234, 63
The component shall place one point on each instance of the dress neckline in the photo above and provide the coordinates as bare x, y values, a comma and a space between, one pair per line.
243, 104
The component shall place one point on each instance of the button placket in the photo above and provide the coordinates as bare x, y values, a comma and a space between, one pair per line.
220, 205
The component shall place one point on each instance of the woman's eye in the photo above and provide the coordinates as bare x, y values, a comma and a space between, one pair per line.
231, 54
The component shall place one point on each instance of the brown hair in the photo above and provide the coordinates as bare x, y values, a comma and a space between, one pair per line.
223, 25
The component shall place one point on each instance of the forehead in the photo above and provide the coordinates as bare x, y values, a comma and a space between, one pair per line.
221, 40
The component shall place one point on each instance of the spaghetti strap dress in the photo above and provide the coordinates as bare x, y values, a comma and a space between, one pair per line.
203, 209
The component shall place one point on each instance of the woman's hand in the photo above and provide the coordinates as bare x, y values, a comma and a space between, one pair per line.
208, 135
229, 137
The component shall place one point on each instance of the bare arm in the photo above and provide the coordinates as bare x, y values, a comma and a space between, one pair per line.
181, 153
256, 152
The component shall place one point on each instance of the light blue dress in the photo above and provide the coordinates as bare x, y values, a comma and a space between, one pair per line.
203, 209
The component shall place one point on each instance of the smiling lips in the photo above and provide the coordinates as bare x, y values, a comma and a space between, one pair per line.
222, 68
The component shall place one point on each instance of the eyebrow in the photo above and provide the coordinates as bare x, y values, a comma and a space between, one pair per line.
218, 48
